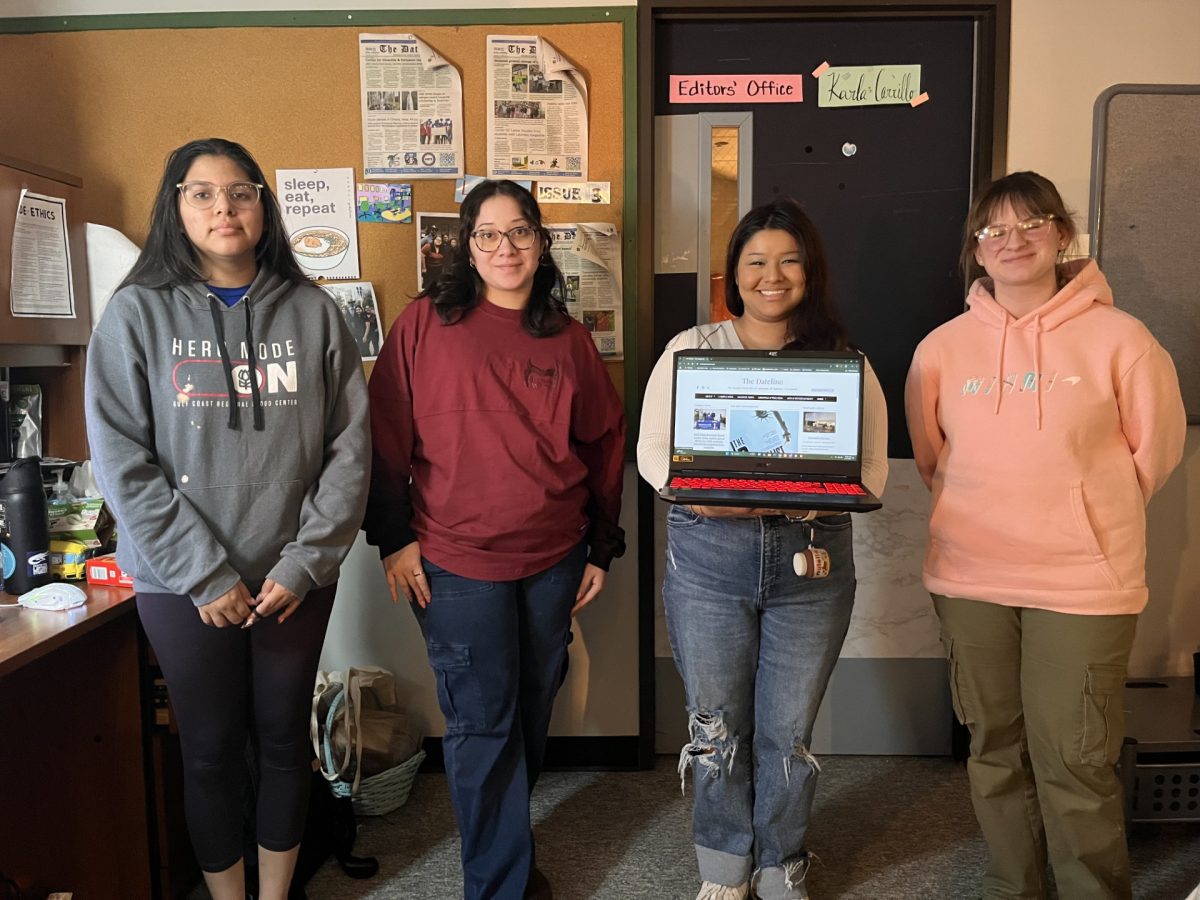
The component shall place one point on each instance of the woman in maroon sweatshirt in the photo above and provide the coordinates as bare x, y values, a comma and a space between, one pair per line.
495, 494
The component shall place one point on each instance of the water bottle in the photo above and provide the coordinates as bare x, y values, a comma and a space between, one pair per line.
24, 527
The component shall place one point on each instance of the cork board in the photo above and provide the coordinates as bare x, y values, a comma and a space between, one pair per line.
109, 105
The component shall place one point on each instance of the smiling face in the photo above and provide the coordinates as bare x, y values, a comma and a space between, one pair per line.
770, 275
1021, 258
507, 272
224, 236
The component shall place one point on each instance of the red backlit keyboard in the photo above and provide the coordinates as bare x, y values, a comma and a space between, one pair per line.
761, 484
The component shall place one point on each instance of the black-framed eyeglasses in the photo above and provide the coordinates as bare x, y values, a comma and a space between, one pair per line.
203, 194
488, 239
1033, 227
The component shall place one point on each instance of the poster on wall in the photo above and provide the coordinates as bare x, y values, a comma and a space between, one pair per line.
359, 308
411, 102
537, 111
318, 214
41, 259
437, 246
589, 256
384, 203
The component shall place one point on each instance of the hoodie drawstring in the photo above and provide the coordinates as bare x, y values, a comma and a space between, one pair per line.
1037, 369
252, 358
1000, 364
226, 365
256, 400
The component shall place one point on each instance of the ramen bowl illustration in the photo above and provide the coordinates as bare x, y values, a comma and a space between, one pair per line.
319, 247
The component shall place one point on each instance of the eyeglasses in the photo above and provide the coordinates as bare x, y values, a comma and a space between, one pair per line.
1033, 227
488, 241
203, 194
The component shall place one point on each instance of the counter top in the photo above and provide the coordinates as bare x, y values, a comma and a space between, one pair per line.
28, 634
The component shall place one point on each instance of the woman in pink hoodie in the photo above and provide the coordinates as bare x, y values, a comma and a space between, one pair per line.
1043, 419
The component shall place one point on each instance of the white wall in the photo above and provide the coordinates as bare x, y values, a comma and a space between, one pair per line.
600, 696
1064, 54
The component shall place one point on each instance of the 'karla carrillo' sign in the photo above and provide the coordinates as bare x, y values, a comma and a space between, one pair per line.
868, 85
736, 89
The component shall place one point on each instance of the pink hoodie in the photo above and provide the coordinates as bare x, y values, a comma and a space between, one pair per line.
1042, 439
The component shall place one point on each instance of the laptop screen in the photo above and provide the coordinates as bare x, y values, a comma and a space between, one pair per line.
735, 406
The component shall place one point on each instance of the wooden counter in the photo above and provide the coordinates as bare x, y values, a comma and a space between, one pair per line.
74, 804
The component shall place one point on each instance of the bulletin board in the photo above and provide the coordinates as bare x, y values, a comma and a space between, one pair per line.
115, 94
1145, 214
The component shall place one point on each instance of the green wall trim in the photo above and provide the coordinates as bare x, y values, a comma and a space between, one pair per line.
408, 18
357, 18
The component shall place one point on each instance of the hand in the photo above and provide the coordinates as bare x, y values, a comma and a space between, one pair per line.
231, 608
590, 585
729, 512
273, 596
405, 573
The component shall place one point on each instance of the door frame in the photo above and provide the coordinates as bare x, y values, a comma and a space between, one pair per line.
993, 22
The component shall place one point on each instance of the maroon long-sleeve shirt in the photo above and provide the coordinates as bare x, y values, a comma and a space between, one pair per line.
514, 444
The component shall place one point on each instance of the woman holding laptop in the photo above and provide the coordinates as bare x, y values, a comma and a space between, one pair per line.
755, 643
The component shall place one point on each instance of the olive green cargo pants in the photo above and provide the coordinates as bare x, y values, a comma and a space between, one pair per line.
1041, 693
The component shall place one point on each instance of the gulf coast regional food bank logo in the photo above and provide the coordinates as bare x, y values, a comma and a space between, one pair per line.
198, 377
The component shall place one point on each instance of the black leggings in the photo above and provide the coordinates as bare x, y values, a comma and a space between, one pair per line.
224, 682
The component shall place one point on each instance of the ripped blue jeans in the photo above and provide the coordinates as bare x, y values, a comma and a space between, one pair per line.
755, 645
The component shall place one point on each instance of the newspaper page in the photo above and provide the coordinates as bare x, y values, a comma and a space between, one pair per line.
537, 111
589, 256
411, 109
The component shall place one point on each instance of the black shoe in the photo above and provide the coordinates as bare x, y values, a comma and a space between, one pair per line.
538, 886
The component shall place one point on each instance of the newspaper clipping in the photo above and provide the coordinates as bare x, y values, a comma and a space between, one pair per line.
537, 111
411, 109
589, 256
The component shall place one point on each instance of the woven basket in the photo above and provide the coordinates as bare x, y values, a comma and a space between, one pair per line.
378, 794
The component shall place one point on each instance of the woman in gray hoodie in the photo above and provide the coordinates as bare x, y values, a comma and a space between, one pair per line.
227, 415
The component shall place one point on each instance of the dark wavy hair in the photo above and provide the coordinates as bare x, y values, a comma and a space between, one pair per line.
815, 323
169, 258
1029, 194
460, 289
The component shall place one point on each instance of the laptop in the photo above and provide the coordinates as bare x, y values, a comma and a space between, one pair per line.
778, 429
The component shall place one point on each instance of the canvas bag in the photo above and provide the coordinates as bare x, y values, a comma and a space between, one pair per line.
357, 719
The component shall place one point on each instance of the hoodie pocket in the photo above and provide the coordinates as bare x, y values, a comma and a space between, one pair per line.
1019, 533
253, 522
1091, 541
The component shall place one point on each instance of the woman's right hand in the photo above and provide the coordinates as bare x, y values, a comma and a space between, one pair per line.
405, 573
231, 608
730, 512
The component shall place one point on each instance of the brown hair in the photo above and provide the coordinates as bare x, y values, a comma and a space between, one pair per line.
1029, 194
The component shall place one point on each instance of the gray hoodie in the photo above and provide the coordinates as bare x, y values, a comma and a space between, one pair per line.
207, 492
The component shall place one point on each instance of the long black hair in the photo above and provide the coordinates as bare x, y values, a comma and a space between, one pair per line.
815, 323
459, 289
169, 258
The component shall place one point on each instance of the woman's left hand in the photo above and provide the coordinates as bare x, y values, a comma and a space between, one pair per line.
274, 596
589, 586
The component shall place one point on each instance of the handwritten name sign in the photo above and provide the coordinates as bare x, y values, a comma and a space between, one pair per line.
737, 89
868, 85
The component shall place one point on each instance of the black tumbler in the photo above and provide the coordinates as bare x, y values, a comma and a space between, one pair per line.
1196, 672
24, 527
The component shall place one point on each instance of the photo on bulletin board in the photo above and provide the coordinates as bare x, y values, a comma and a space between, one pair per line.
437, 246
359, 307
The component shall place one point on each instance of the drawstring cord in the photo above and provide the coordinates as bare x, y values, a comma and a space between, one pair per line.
1037, 368
227, 366
255, 398
1000, 364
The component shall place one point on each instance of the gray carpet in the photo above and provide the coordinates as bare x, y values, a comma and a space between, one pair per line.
883, 827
